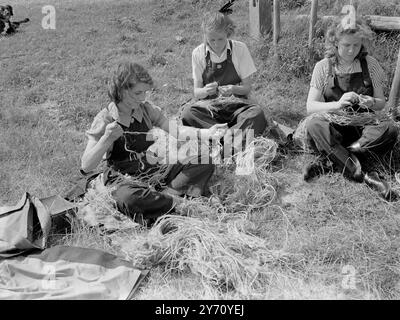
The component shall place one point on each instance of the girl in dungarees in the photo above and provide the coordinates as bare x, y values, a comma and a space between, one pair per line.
119, 134
348, 77
222, 68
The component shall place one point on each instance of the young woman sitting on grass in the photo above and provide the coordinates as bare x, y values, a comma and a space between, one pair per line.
119, 134
222, 70
348, 82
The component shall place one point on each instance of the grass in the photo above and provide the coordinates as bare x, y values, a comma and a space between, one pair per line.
53, 82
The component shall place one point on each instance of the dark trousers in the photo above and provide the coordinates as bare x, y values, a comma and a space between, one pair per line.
237, 115
138, 201
332, 139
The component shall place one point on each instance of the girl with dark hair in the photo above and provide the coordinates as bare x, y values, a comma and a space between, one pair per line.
120, 135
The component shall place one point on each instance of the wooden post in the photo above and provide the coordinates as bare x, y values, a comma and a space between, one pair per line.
277, 23
313, 20
394, 95
260, 16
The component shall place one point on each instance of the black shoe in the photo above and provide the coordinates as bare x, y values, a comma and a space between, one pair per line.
373, 180
316, 168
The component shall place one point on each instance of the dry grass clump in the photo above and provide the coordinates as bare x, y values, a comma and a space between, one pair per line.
220, 253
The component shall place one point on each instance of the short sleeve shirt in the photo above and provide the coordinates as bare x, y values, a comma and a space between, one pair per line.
148, 112
241, 59
319, 79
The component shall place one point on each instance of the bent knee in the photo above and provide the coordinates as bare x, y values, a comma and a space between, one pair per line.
190, 112
254, 112
187, 112
315, 125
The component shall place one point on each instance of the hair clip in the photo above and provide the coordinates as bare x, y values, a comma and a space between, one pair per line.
226, 7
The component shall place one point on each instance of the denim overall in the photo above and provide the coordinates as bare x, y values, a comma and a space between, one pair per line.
332, 139
135, 198
238, 115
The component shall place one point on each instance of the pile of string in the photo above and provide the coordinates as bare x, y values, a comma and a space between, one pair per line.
358, 119
247, 183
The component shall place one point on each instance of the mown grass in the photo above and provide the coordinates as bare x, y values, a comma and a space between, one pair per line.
54, 81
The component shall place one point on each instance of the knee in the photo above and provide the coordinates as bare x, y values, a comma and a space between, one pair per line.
254, 113
126, 201
188, 113
315, 126
255, 117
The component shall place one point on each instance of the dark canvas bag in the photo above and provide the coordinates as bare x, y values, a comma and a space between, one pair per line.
24, 226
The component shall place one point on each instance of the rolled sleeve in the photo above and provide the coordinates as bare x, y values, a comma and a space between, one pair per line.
98, 126
319, 76
245, 65
378, 75
198, 64
156, 115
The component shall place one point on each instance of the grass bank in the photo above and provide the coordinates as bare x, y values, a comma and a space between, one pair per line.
335, 239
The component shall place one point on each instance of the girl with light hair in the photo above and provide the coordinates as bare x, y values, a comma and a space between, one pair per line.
222, 70
348, 79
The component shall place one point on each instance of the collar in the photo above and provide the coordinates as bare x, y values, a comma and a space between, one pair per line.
125, 118
228, 46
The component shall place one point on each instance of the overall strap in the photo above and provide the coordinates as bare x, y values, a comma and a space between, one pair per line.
365, 72
331, 67
208, 60
331, 73
229, 52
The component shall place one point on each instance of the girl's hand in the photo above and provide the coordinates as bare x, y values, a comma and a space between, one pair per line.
366, 101
348, 99
226, 90
113, 131
218, 130
211, 88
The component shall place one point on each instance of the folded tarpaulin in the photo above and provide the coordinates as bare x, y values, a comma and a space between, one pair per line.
63, 272
23, 227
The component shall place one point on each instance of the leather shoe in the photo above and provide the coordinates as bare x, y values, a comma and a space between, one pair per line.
373, 180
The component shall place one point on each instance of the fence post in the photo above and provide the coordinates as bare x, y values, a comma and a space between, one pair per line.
313, 20
394, 95
277, 26
260, 18
277, 21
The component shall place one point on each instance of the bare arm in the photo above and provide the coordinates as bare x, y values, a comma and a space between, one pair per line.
377, 102
380, 101
192, 132
316, 101
242, 89
201, 91
94, 153
95, 150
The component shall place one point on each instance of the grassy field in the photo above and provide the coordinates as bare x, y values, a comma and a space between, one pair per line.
329, 239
